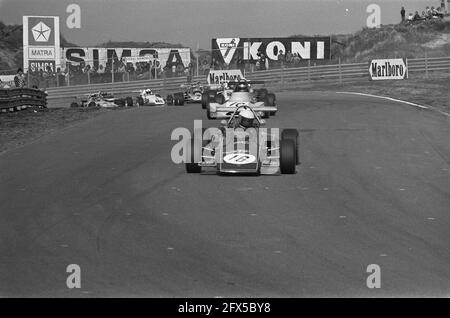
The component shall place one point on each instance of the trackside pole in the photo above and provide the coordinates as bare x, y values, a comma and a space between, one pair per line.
340, 71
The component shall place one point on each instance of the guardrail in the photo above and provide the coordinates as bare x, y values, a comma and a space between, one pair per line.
18, 98
275, 79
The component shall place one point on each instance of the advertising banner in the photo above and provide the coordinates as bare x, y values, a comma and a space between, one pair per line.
388, 69
222, 76
170, 57
227, 50
41, 45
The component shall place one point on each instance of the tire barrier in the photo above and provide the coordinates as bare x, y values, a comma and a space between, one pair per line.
12, 99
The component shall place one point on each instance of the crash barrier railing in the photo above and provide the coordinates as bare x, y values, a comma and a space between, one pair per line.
342, 73
17, 98
275, 79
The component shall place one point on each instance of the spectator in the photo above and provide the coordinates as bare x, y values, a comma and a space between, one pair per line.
281, 58
402, 13
288, 57
101, 70
410, 17
19, 79
417, 16
428, 10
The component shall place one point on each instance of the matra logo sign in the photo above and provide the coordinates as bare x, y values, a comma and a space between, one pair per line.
388, 69
228, 49
222, 76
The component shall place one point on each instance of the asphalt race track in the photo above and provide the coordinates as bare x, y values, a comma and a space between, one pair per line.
373, 188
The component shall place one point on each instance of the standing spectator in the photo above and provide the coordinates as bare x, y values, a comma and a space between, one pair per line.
19, 79
402, 13
288, 57
281, 58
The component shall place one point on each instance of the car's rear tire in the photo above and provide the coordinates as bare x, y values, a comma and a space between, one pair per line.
92, 104
169, 100
262, 94
292, 134
178, 99
192, 166
220, 99
287, 156
139, 101
129, 101
205, 100
270, 99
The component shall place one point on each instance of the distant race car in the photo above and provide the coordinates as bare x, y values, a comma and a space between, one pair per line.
101, 99
242, 94
148, 98
223, 152
213, 93
192, 94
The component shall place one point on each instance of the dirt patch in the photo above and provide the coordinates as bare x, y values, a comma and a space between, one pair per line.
20, 127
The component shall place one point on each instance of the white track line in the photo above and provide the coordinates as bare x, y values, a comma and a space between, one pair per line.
396, 100
384, 97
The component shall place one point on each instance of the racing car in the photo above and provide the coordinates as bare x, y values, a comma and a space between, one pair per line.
148, 98
242, 94
241, 146
101, 99
214, 92
192, 94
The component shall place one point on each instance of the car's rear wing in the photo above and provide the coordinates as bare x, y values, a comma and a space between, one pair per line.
226, 109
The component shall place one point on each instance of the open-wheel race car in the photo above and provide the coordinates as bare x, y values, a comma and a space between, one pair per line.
147, 97
243, 146
192, 94
101, 99
241, 93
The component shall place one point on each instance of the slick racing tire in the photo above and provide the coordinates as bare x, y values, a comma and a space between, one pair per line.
128, 101
178, 99
169, 100
205, 100
92, 104
74, 104
220, 99
270, 100
139, 101
292, 134
262, 94
192, 166
287, 156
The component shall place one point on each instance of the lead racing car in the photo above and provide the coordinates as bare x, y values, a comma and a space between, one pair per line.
242, 94
243, 146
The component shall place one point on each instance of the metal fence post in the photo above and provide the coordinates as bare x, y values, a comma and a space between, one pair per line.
340, 73
112, 69
426, 64
309, 71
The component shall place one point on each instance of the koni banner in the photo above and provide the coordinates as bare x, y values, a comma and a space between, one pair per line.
228, 50
41, 47
170, 57
388, 69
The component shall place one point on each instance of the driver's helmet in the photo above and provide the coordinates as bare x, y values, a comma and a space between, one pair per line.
148, 91
246, 118
242, 86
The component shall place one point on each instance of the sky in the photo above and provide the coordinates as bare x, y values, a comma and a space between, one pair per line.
196, 22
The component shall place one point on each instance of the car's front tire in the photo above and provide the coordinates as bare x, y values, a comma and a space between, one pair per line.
192, 166
287, 156
292, 134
